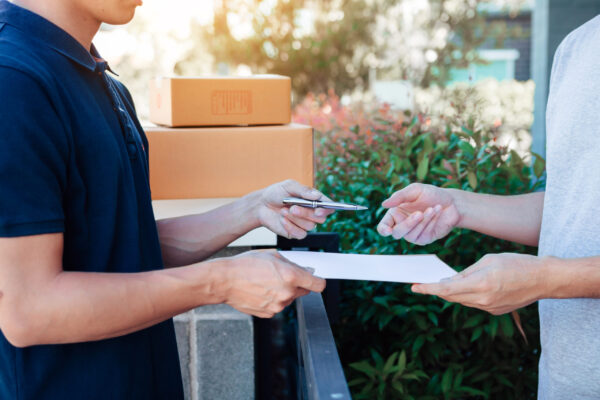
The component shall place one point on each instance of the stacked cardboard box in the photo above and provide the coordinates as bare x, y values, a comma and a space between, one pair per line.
224, 137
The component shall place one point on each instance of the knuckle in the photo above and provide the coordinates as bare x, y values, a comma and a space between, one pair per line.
276, 308
285, 295
288, 275
486, 301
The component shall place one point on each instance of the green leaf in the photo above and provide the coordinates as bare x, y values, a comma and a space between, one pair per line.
378, 359
467, 149
357, 381
433, 318
493, 327
390, 362
472, 391
472, 179
382, 301
419, 341
364, 367
398, 387
423, 168
502, 379
473, 321
401, 363
447, 381
538, 166
476, 333
507, 325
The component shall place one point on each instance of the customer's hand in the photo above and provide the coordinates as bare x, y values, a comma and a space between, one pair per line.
498, 283
291, 222
263, 283
420, 214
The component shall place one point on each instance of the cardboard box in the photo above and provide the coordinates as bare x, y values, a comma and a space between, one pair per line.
224, 101
188, 163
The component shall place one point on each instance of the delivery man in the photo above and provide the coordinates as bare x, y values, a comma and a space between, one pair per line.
85, 303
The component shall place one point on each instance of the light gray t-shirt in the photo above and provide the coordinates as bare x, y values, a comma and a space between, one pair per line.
570, 329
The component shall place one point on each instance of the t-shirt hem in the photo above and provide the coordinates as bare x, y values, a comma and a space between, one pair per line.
32, 228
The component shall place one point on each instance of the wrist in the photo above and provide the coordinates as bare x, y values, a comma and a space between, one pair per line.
552, 283
460, 201
252, 207
214, 282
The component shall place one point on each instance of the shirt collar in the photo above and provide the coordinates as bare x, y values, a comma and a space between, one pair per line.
46, 32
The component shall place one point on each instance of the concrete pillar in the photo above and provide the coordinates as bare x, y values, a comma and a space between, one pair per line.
216, 350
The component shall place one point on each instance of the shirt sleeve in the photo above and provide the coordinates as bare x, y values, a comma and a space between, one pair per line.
33, 158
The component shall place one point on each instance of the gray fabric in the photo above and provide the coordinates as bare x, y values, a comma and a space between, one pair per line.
570, 329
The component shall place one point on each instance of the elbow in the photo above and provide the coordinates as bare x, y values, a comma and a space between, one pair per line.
18, 328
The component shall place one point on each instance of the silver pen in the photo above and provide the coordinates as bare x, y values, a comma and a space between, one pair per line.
295, 201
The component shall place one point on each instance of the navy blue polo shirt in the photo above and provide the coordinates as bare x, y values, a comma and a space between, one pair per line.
73, 159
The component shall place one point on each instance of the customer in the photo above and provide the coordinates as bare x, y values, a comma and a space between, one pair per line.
85, 304
564, 221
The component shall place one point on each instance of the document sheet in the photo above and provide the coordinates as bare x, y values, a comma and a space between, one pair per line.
401, 268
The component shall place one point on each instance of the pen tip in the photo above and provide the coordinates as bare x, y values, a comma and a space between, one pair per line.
361, 208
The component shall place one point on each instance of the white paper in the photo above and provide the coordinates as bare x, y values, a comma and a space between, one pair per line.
403, 268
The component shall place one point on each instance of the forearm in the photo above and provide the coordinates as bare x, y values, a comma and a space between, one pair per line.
193, 238
514, 218
81, 306
564, 278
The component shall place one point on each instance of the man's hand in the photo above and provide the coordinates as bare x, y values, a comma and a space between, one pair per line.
291, 222
498, 283
263, 283
420, 214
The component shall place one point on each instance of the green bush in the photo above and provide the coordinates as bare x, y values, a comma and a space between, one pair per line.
393, 343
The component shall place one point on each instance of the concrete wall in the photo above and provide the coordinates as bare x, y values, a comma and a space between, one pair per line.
552, 21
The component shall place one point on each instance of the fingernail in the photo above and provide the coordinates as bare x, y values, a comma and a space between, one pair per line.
315, 193
309, 269
320, 212
284, 211
415, 289
437, 208
295, 210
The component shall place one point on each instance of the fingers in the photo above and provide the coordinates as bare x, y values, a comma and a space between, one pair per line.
386, 225
406, 226
297, 189
293, 231
301, 278
428, 233
414, 234
452, 288
305, 224
309, 213
408, 194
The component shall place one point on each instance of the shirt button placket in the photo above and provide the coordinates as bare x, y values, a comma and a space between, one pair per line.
124, 119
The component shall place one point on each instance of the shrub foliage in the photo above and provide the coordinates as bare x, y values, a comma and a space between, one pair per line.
393, 343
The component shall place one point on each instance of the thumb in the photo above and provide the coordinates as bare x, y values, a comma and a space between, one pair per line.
299, 190
406, 195
482, 263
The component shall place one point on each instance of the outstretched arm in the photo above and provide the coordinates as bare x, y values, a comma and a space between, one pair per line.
189, 239
40, 303
500, 283
423, 213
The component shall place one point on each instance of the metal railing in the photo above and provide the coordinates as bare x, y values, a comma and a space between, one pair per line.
320, 373
296, 356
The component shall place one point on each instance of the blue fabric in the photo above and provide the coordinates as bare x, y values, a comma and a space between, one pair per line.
73, 159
